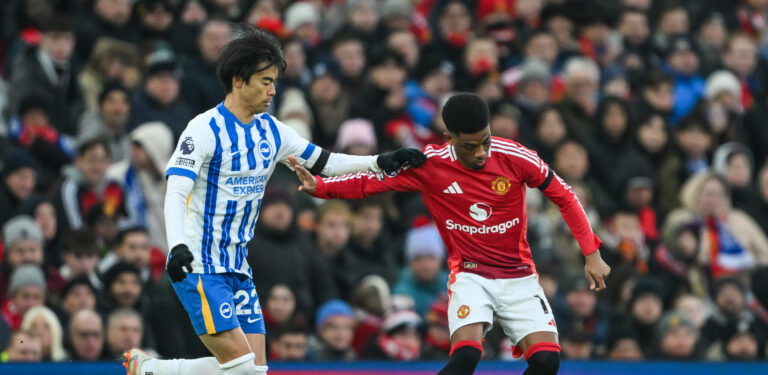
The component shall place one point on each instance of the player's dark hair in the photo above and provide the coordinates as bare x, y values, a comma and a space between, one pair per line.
255, 50
121, 235
465, 113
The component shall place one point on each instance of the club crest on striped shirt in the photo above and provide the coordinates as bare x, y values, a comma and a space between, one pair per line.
501, 185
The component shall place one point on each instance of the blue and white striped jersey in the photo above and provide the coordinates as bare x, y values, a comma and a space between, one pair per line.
230, 164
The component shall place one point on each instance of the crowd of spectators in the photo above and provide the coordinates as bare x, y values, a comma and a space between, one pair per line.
655, 112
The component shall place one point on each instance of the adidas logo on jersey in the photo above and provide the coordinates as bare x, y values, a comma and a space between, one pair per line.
453, 188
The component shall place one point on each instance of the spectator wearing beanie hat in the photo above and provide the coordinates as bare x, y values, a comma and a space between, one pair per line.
19, 179
423, 279
334, 324
400, 339
645, 308
302, 19
25, 290
23, 245
356, 137
677, 337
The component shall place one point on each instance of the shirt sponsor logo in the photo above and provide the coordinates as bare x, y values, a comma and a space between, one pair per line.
187, 146
470, 265
480, 211
247, 184
485, 229
501, 185
184, 162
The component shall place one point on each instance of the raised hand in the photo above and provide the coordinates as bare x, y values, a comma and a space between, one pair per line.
308, 182
596, 271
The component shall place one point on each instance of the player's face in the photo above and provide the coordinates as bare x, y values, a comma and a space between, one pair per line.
257, 93
471, 149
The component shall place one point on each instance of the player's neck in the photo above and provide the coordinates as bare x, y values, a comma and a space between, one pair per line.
233, 104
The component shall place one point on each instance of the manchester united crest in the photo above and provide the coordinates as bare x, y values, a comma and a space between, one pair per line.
463, 311
501, 185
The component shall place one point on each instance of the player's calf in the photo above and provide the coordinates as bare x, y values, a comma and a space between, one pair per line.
543, 359
465, 356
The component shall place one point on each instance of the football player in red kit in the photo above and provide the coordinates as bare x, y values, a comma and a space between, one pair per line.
474, 186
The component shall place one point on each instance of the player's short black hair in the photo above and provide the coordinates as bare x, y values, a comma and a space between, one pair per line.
253, 51
465, 113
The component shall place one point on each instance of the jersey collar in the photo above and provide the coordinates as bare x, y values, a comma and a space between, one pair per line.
229, 116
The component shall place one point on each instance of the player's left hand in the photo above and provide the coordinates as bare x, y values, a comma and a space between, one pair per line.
391, 162
308, 182
596, 271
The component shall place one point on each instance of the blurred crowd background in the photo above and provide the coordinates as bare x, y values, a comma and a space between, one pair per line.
655, 113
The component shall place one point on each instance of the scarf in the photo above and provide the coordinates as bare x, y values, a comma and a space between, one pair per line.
397, 351
726, 255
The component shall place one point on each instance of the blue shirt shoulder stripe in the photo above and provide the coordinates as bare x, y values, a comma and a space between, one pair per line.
308, 151
180, 172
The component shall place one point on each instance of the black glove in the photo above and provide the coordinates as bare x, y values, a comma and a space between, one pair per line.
391, 162
181, 258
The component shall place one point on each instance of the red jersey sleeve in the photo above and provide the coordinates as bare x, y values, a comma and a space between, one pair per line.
538, 174
362, 184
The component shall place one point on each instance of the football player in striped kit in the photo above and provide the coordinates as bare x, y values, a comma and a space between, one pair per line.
216, 179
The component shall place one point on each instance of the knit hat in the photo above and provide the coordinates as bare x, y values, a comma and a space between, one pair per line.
575, 282
26, 275
330, 309
535, 70
722, 81
162, 60
20, 228
396, 8
647, 285
300, 13
293, 102
673, 320
424, 240
723, 154
16, 160
438, 313
328, 68
680, 43
356, 131
157, 140
404, 319
275, 194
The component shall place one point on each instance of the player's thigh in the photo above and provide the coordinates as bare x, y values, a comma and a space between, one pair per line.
524, 310
209, 302
227, 345
471, 305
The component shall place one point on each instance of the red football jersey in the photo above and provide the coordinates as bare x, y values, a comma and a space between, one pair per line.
480, 213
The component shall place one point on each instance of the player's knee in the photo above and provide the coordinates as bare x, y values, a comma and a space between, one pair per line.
544, 362
242, 366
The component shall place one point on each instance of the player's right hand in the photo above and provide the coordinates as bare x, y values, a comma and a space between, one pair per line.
308, 182
181, 258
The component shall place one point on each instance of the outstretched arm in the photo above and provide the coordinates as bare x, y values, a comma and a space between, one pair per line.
354, 186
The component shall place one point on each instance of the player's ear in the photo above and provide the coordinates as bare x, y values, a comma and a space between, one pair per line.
449, 137
237, 82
